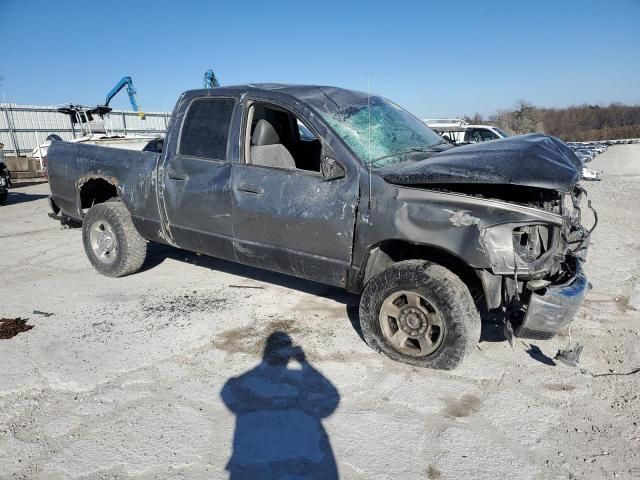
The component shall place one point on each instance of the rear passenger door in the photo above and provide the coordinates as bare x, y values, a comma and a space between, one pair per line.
196, 187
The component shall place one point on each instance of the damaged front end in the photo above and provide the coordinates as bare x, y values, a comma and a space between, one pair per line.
536, 274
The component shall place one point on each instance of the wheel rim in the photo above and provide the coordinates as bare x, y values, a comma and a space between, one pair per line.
103, 242
411, 324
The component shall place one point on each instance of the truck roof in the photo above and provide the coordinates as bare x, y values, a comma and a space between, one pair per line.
313, 94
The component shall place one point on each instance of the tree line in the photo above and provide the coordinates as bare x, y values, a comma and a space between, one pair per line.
576, 123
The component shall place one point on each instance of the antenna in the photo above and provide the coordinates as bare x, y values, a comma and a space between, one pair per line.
369, 140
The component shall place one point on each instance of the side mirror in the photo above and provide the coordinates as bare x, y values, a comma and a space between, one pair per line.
331, 169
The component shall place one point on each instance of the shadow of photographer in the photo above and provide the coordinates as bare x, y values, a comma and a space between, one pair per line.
278, 408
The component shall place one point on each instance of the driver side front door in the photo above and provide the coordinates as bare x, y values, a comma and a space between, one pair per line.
293, 220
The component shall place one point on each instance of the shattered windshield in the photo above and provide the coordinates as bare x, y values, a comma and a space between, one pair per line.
378, 131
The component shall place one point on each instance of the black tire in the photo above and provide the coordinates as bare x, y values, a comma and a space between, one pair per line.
3, 197
446, 294
129, 249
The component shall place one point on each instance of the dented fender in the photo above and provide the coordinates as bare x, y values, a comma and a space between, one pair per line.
459, 224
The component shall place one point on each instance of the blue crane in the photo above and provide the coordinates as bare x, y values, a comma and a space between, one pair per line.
131, 91
210, 80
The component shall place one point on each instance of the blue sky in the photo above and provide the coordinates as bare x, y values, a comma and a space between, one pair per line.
441, 58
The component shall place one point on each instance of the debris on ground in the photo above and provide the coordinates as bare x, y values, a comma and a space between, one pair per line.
570, 356
10, 327
182, 304
509, 334
44, 314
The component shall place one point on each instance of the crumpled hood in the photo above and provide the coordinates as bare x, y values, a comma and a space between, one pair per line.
534, 160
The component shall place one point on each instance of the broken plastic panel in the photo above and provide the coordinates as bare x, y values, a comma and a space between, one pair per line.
570, 357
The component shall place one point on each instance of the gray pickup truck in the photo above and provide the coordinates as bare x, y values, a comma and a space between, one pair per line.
350, 190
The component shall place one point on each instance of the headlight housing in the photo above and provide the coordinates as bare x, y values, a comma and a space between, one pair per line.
530, 241
529, 248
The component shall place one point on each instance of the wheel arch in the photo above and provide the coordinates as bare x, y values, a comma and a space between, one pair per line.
387, 252
94, 189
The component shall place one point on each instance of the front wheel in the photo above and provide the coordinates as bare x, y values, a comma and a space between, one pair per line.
112, 243
420, 313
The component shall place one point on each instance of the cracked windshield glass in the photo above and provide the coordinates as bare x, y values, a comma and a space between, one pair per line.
393, 131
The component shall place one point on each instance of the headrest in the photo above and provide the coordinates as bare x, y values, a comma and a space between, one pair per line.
264, 134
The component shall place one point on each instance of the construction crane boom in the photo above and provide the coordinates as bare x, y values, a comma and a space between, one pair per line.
131, 91
210, 80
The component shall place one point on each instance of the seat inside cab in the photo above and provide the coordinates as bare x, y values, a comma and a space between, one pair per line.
278, 139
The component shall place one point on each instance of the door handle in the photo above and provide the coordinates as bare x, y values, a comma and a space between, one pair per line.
245, 187
173, 175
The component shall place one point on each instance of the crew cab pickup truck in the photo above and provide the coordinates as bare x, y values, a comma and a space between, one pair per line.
350, 190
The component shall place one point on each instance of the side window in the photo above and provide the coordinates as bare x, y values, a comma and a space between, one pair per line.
473, 136
278, 139
304, 133
205, 130
487, 135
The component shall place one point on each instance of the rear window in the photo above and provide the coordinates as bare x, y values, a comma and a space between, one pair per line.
206, 128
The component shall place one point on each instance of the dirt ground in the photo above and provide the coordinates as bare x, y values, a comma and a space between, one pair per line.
134, 377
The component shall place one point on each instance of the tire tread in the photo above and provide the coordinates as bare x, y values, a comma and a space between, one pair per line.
132, 247
442, 285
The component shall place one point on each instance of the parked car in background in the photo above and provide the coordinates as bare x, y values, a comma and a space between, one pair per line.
459, 132
587, 151
483, 133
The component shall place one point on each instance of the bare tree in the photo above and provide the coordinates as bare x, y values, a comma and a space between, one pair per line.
574, 123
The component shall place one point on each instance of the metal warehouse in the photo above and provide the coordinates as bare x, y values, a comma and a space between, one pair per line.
24, 127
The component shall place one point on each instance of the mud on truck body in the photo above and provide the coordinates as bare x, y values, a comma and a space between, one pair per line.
352, 191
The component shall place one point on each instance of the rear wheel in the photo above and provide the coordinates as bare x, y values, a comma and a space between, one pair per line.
112, 244
420, 313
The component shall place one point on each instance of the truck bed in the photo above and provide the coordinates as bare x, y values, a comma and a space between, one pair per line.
133, 174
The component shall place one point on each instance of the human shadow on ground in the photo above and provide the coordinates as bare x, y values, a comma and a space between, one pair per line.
279, 411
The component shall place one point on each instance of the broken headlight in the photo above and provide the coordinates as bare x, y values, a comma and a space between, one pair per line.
527, 248
531, 241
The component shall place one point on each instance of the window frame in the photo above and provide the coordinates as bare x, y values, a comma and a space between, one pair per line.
227, 144
246, 137
487, 131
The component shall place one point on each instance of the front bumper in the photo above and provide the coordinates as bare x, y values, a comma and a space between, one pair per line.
555, 307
